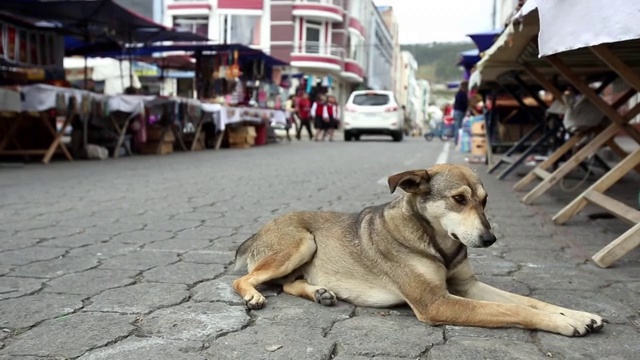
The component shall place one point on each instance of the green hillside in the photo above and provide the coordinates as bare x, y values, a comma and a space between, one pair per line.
437, 61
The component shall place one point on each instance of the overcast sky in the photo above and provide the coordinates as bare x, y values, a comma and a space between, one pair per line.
425, 21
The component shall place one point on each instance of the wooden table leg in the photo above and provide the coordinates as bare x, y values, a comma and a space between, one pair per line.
618, 248
57, 140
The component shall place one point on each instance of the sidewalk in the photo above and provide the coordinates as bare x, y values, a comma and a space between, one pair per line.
552, 263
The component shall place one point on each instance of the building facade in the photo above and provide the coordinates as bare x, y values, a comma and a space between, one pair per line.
379, 69
391, 22
408, 92
424, 96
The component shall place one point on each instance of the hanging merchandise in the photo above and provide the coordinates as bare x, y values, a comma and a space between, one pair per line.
222, 73
327, 81
235, 68
309, 84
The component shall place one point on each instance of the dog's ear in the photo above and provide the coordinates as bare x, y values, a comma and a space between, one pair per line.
413, 181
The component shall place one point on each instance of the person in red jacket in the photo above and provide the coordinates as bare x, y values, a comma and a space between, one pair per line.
321, 124
332, 112
303, 109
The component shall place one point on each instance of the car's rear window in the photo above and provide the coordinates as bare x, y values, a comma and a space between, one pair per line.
371, 99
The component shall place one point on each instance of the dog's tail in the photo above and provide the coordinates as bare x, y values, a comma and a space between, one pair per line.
242, 254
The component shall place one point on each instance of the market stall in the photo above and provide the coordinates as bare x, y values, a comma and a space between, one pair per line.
577, 46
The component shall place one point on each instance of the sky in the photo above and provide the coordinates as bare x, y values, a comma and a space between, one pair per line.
425, 21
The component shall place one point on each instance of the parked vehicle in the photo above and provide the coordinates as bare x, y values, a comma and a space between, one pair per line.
373, 112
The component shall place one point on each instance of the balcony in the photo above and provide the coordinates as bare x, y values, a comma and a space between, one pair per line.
318, 56
319, 10
352, 72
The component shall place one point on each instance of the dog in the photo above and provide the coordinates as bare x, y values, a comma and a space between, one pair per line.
412, 251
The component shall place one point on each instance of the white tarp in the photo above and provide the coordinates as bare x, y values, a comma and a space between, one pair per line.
572, 24
115, 74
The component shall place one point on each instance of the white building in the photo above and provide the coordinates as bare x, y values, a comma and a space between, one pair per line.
407, 92
424, 94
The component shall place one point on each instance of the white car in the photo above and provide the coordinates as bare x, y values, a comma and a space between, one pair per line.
373, 112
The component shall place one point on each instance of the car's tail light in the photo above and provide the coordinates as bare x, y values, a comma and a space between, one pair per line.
391, 109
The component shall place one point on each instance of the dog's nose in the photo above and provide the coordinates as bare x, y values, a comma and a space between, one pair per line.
487, 238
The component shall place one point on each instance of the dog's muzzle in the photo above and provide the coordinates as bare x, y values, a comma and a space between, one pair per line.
487, 239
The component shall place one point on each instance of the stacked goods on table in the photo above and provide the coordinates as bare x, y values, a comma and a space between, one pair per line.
478, 138
159, 141
241, 137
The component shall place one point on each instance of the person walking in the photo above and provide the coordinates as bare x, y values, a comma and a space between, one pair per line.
304, 114
318, 112
460, 107
332, 111
289, 111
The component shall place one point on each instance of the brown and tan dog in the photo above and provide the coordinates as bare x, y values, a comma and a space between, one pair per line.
412, 250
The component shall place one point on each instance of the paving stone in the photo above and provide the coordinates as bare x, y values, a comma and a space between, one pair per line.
142, 237
613, 342
76, 240
70, 336
13, 242
11, 287
104, 250
510, 334
114, 228
286, 309
55, 268
29, 255
492, 266
233, 221
506, 283
404, 310
178, 245
28, 310
220, 289
566, 279
29, 227
146, 349
599, 303
5, 269
140, 260
204, 232
195, 321
183, 273
272, 342
91, 282
205, 256
173, 225
229, 243
541, 258
139, 298
354, 357
462, 348
50, 232
403, 336
625, 292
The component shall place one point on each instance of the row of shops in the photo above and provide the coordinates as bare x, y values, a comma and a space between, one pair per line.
558, 86
93, 79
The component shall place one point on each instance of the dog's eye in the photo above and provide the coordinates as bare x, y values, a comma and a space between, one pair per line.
459, 199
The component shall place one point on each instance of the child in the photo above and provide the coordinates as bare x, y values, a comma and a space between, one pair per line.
332, 112
317, 113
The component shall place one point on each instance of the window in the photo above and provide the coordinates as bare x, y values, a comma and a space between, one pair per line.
313, 37
198, 25
240, 29
371, 99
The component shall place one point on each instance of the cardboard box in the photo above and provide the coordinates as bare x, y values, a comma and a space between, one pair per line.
478, 146
152, 148
243, 130
154, 133
478, 128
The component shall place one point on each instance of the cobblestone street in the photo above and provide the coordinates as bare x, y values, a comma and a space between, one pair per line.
132, 259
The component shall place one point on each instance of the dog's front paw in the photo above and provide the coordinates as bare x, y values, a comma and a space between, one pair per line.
325, 297
594, 322
254, 301
571, 327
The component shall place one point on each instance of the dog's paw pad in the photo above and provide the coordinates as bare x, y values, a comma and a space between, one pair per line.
326, 297
255, 301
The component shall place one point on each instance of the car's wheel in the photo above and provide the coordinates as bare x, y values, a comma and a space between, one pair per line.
357, 137
347, 136
397, 137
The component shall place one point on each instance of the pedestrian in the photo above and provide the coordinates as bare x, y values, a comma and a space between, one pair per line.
460, 107
333, 114
318, 112
289, 111
304, 114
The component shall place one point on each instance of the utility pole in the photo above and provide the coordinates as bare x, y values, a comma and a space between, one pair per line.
493, 15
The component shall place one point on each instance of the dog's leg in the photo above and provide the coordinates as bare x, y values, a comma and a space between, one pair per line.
465, 285
303, 289
276, 264
454, 310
